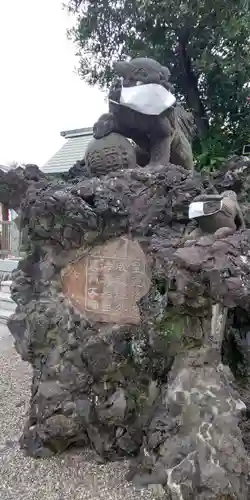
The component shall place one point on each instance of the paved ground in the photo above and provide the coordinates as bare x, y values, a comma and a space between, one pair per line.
73, 476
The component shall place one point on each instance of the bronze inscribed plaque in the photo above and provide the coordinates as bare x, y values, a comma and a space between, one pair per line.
106, 284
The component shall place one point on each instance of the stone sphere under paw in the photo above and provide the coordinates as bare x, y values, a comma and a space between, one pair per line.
109, 154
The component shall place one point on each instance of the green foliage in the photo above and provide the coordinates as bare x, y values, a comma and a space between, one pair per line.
136, 399
211, 151
205, 43
171, 327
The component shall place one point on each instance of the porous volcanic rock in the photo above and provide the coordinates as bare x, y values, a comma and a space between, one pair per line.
193, 446
15, 183
92, 379
111, 382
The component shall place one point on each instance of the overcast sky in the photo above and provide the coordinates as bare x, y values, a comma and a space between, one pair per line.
40, 94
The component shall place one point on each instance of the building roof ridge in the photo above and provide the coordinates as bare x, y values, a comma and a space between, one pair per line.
77, 132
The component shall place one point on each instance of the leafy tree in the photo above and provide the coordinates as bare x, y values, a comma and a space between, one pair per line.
205, 43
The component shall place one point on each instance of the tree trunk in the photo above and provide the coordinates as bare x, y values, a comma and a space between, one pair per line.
192, 91
5, 229
5, 213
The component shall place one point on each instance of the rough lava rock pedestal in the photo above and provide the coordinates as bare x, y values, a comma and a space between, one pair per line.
193, 446
89, 306
114, 314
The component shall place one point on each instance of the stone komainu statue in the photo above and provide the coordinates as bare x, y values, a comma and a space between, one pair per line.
217, 214
164, 137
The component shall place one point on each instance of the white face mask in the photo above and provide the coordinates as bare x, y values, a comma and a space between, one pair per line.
149, 99
196, 209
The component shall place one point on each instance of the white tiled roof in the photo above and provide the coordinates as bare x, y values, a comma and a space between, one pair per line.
5, 168
72, 151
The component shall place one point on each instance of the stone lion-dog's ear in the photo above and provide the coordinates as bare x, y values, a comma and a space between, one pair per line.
121, 67
165, 72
